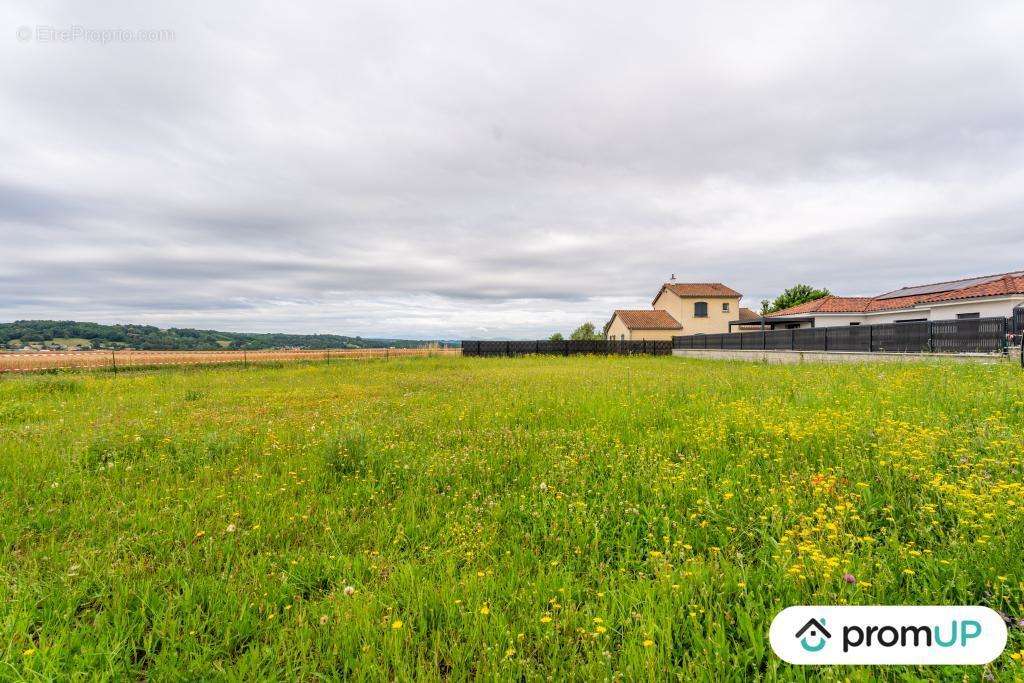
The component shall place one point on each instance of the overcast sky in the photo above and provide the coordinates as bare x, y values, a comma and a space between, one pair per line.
487, 169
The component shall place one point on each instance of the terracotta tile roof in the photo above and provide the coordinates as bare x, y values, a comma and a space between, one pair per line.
699, 289
828, 304
969, 288
648, 320
747, 314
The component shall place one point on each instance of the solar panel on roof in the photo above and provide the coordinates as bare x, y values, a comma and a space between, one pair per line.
940, 287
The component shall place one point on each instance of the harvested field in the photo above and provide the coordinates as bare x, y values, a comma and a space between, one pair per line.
23, 362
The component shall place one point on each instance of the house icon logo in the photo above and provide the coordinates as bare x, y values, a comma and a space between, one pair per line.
815, 632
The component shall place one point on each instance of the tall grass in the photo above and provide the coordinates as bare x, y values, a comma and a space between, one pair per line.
586, 518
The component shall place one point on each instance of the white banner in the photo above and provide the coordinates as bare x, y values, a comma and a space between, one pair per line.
887, 635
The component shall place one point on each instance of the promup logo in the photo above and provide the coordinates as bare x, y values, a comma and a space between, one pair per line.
888, 635
817, 630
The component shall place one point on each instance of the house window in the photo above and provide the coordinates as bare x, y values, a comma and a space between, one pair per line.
913, 320
725, 307
792, 326
700, 309
967, 316
852, 324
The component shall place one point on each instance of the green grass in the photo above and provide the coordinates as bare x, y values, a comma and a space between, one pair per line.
519, 518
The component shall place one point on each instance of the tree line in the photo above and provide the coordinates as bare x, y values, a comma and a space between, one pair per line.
148, 337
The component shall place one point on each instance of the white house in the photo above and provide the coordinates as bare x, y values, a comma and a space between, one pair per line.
978, 297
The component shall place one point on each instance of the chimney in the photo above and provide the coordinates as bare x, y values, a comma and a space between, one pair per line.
673, 278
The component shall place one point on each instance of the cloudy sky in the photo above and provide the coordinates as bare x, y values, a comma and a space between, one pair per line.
490, 169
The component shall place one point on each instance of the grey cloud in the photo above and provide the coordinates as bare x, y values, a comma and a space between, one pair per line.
507, 169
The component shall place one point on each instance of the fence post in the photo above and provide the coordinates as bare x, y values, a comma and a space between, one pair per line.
826, 339
792, 340
113, 360
536, 346
930, 346
871, 338
327, 353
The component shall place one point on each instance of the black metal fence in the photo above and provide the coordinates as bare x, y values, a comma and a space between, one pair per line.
1018, 320
568, 347
977, 335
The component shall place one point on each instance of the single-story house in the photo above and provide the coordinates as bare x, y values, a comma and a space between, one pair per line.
678, 308
977, 297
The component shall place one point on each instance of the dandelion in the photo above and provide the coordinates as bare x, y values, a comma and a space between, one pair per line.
648, 643
600, 629
545, 619
485, 610
727, 495
29, 652
396, 624
909, 572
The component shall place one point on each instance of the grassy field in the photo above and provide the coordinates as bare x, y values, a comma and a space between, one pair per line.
589, 518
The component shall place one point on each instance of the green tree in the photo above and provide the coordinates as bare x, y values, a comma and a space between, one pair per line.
584, 332
794, 296
557, 336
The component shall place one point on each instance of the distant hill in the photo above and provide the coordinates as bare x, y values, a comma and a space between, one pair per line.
68, 333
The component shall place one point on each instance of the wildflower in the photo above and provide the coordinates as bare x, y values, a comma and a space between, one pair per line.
909, 572
849, 578
545, 619
485, 610
200, 534
231, 528
324, 619
349, 590
727, 495
396, 624
29, 652
648, 643
600, 629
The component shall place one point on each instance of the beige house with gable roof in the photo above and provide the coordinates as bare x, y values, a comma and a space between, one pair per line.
678, 308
